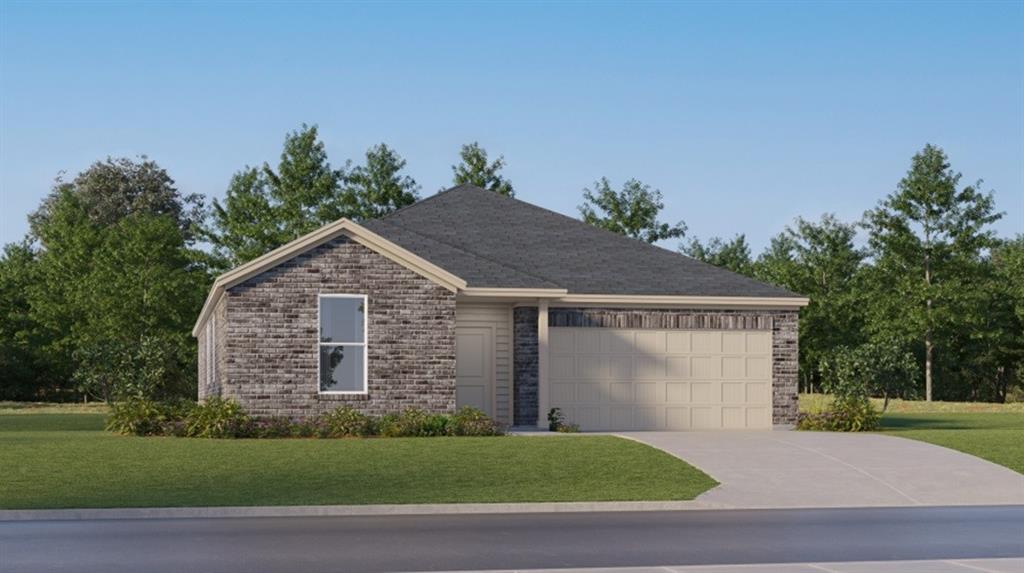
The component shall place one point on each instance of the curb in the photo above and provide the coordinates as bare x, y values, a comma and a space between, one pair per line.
348, 510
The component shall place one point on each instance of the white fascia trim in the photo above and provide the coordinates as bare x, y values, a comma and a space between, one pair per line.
667, 300
487, 292
356, 232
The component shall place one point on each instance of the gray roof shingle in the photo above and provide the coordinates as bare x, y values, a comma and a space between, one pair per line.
494, 241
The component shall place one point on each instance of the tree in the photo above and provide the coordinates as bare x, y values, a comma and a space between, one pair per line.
926, 239
111, 287
244, 226
266, 208
733, 255
378, 187
28, 374
819, 260
115, 188
476, 170
632, 212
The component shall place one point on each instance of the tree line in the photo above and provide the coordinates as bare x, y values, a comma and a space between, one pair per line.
99, 298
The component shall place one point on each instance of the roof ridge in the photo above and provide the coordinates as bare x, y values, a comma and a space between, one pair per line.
470, 253
424, 200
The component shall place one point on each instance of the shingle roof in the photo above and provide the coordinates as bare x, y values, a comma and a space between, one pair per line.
494, 241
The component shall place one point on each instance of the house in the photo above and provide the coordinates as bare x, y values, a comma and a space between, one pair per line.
472, 298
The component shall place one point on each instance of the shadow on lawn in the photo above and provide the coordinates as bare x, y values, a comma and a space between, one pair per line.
958, 421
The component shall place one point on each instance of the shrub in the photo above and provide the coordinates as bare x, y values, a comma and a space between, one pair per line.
414, 422
274, 427
345, 422
143, 417
568, 428
218, 418
469, 421
848, 376
555, 419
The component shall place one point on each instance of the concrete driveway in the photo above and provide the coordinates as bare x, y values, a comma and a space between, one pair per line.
821, 469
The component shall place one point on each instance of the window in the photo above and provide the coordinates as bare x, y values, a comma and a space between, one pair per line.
342, 343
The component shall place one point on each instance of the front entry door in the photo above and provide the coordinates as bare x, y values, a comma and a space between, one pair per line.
474, 370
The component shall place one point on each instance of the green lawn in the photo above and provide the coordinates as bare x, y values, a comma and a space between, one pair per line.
66, 460
994, 432
996, 437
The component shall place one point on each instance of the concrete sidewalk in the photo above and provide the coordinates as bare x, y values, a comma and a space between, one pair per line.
763, 470
934, 566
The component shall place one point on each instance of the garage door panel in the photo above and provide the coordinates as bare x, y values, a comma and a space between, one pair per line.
649, 366
620, 366
595, 392
623, 379
733, 418
591, 367
617, 341
563, 367
734, 342
650, 342
563, 393
677, 418
588, 341
734, 367
677, 367
759, 343
621, 392
677, 342
758, 393
705, 418
759, 367
706, 342
677, 392
706, 366
733, 393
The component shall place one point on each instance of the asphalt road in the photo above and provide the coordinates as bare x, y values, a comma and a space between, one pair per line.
524, 541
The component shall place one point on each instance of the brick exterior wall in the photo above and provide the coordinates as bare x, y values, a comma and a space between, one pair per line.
524, 369
782, 323
271, 335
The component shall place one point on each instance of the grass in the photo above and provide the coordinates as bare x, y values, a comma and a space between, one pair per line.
67, 460
994, 432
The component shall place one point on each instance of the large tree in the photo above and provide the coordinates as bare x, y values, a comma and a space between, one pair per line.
27, 372
476, 169
733, 254
633, 211
112, 287
927, 238
819, 260
114, 188
265, 208
378, 187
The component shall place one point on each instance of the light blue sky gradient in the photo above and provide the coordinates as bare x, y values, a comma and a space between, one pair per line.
745, 115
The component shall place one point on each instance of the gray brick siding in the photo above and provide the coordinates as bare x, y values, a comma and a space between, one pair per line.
524, 370
782, 323
271, 331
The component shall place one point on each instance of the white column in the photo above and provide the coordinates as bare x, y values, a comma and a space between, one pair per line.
542, 364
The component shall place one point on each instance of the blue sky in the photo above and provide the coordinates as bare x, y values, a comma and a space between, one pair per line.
745, 115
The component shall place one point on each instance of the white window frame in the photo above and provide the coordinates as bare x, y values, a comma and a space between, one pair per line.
364, 344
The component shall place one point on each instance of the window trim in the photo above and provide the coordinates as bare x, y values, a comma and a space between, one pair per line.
364, 344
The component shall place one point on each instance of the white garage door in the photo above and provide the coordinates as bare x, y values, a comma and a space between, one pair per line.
624, 379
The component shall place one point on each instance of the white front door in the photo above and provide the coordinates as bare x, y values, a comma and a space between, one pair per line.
633, 379
474, 370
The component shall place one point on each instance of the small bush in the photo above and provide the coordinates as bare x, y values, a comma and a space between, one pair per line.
470, 421
142, 417
218, 418
555, 419
414, 422
568, 428
345, 422
848, 375
274, 427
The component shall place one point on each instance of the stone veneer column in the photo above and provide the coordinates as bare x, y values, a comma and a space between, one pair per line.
525, 365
